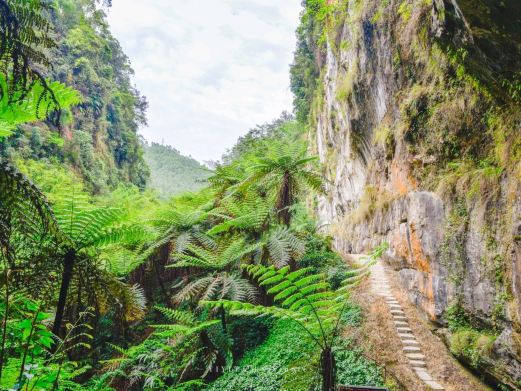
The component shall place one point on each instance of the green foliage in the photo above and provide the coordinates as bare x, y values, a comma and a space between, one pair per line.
470, 339
322, 259
33, 105
217, 286
472, 345
96, 246
269, 367
152, 365
354, 369
224, 256
29, 361
172, 173
302, 297
285, 174
25, 40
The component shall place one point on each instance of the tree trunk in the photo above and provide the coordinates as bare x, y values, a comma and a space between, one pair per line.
160, 282
222, 312
285, 199
327, 363
68, 268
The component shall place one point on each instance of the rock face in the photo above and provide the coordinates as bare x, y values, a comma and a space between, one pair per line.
418, 130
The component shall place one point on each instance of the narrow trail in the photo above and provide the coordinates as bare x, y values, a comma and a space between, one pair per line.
411, 347
399, 338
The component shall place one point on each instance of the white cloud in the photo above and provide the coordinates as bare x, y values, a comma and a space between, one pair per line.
211, 69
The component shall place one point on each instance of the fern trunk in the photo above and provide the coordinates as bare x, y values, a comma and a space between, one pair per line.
327, 362
222, 312
68, 268
285, 199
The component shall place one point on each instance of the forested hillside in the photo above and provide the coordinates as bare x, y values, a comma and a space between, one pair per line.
98, 138
172, 173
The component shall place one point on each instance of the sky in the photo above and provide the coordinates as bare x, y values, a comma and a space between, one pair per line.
210, 69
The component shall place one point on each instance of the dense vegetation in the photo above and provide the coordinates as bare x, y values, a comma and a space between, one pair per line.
98, 137
172, 173
230, 287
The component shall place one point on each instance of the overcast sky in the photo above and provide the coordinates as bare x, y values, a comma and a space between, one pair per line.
210, 69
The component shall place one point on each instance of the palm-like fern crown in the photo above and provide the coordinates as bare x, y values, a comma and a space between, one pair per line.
282, 159
249, 214
254, 216
178, 229
283, 173
217, 286
226, 255
82, 225
226, 178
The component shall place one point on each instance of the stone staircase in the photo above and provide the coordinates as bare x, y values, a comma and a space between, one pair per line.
411, 347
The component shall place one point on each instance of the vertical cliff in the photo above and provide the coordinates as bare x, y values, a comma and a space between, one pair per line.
413, 108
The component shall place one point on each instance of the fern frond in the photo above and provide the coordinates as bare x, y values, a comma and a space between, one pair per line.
183, 317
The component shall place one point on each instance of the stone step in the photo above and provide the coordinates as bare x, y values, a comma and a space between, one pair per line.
423, 374
434, 386
415, 356
381, 287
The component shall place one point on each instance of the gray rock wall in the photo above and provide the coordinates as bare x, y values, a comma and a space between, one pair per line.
448, 247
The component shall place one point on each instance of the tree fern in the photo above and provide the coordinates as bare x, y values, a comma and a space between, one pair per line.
82, 228
285, 174
283, 245
248, 215
227, 255
177, 230
217, 286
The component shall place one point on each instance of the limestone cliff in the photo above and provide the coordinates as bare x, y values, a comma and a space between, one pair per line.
414, 113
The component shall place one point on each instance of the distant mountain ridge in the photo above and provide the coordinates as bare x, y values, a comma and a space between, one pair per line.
171, 172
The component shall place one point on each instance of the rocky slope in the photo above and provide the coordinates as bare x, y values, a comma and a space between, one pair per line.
414, 113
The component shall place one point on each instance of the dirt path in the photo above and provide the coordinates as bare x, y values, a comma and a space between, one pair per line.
396, 336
